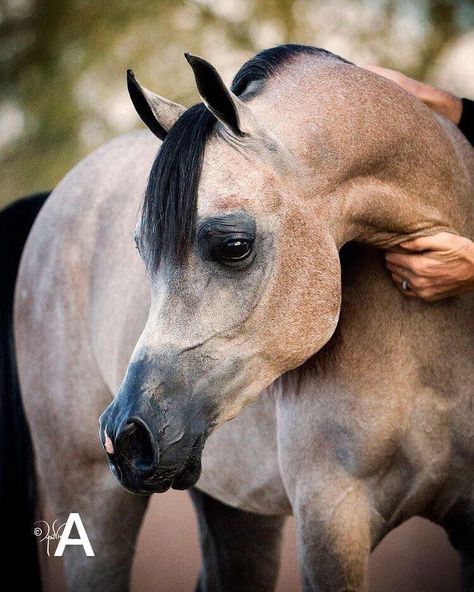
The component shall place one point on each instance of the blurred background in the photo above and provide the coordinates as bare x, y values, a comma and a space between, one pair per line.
63, 93
63, 62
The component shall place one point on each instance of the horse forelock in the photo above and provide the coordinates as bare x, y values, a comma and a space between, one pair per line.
170, 203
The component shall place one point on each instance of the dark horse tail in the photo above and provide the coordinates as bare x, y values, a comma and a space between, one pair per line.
19, 558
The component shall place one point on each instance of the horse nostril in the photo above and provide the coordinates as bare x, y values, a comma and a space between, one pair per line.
134, 444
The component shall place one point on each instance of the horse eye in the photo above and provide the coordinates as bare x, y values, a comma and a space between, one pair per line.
234, 250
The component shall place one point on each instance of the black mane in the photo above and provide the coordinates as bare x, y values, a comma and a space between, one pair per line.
170, 203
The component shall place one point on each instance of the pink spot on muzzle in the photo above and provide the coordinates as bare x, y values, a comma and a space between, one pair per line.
109, 447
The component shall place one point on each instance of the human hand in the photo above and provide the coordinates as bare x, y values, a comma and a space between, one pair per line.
441, 101
434, 267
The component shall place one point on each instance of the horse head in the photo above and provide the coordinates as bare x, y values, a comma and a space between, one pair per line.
248, 201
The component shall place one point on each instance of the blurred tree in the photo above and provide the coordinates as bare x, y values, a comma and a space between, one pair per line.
62, 62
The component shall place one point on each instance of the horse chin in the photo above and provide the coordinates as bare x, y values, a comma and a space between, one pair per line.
129, 481
188, 476
184, 479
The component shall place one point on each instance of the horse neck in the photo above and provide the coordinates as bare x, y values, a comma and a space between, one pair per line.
381, 171
382, 168
420, 192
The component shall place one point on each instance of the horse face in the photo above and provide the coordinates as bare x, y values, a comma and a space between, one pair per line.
256, 295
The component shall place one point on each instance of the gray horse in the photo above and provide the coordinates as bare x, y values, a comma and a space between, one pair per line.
367, 415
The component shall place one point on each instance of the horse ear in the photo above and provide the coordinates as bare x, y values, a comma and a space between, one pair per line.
157, 113
220, 101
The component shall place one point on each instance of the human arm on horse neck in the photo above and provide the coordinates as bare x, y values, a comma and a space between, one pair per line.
441, 265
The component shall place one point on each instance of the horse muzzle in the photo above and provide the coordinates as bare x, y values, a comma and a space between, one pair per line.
141, 458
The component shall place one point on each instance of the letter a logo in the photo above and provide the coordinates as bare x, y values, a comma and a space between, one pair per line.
74, 519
